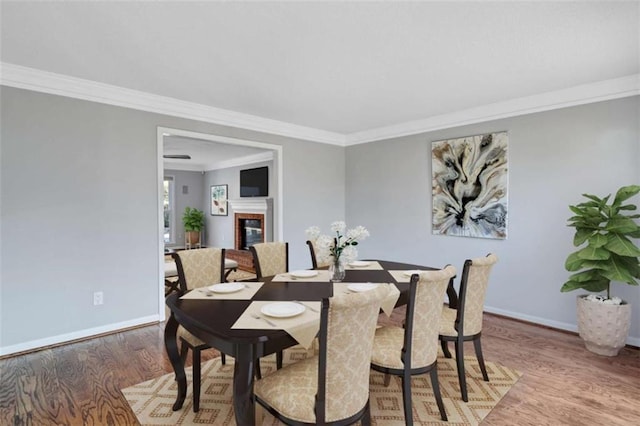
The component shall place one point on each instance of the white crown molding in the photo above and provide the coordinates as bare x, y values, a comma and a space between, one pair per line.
578, 95
58, 84
42, 81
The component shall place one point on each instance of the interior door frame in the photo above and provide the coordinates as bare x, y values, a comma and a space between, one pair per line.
278, 210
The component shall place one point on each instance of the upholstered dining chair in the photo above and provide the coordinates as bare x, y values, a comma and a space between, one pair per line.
413, 349
197, 268
465, 322
331, 388
270, 258
314, 257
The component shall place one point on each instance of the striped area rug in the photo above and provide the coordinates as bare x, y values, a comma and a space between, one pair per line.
151, 401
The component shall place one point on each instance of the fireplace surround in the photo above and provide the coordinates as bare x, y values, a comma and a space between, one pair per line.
252, 224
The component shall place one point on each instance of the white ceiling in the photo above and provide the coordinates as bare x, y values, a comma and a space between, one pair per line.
339, 67
209, 155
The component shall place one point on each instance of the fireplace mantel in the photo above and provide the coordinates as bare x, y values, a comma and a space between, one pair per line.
252, 205
255, 206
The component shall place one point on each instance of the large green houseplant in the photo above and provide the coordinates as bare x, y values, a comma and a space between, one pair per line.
610, 254
193, 221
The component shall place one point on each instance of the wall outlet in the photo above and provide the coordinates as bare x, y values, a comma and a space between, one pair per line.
98, 298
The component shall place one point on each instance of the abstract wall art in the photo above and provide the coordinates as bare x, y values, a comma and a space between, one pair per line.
469, 186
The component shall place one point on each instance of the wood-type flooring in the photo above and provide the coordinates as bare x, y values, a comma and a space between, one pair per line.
562, 383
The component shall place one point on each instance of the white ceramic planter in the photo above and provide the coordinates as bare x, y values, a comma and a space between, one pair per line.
604, 328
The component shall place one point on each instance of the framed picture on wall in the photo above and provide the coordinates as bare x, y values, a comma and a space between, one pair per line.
219, 200
469, 186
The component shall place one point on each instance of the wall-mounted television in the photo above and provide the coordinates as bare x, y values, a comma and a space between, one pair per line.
254, 182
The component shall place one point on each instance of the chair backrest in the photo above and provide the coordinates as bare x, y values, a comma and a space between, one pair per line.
473, 289
347, 326
270, 258
314, 256
424, 310
199, 267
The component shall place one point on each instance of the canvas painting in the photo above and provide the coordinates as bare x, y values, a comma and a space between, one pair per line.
219, 200
469, 186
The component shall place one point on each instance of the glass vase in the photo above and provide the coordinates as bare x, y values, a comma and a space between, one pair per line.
336, 270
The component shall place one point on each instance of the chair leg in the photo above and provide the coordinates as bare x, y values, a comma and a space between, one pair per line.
279, 360
196, 380
459, 344
406, 399
366, 417
258, 371
478, 348
223, 358
445, 348
435, 385
184, 351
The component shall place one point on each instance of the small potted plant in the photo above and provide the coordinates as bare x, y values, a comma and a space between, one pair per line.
193, 221
610, 254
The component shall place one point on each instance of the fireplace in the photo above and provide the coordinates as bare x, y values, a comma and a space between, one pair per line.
252, 224
249, 230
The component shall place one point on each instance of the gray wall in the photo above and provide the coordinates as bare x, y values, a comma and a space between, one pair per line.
79, 212
553, 158
79, 200
195, 197
220, 229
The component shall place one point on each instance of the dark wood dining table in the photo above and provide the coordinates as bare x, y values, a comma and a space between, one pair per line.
211, 321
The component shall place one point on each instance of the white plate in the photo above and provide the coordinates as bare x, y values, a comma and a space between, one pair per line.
226, 287
359, 263
409, 273
360, 287
305, 273
282, 309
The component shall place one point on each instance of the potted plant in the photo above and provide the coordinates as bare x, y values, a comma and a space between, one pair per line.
193, 221
610, 254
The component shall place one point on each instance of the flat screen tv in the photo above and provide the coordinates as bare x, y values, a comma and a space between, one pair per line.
254, 182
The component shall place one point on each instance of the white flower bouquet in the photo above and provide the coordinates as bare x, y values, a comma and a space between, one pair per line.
330, 249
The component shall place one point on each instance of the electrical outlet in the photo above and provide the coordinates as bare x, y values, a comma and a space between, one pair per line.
98, 298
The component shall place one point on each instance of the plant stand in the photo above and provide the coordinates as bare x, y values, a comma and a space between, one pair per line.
604, 328
192, 240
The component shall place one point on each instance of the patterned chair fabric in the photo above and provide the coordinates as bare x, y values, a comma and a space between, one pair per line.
270, 258
465, 322
315, 262
350, 325
389, 340
201, 267
476, 290
420, 335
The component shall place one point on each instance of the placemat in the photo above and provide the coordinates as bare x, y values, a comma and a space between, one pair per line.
400, 276
372, 266
303, 327
250, 288
322, 277
388, 303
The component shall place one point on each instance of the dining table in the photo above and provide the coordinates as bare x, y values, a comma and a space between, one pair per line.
212, 320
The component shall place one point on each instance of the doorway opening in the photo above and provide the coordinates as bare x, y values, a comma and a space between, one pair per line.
213, 140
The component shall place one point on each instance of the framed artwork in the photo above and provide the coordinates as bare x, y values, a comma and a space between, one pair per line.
469, 186
219, 200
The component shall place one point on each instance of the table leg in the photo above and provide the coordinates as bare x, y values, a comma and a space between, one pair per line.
243, 371
171, 345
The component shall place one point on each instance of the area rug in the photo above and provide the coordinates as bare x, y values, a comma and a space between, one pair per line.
152, 400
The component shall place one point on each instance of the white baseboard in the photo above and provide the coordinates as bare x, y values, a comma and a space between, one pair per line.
635, 341
81, 334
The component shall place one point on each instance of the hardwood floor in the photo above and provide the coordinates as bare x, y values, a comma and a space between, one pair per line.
562, 383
